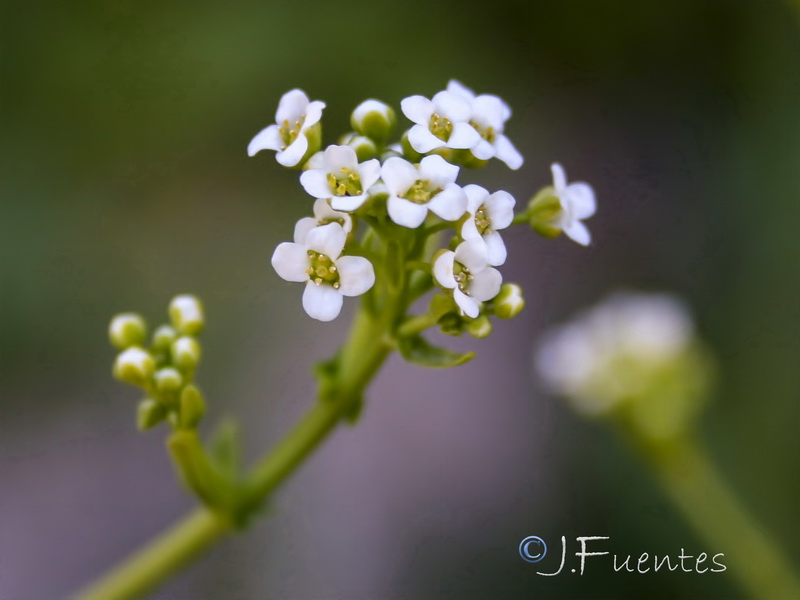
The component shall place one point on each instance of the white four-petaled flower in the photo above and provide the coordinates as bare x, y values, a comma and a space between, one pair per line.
467, 272
488, 114
577, 203
328, 276
341, 178
413, 190
488, 213
294, 117
441, 122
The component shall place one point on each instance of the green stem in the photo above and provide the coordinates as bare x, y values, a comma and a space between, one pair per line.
695, 487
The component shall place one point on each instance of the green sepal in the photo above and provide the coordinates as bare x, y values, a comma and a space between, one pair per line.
192, 407
149, 414
409, 153
543, 212
416, 350
440, 305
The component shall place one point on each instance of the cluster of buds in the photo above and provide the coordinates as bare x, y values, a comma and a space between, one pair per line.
633, 357
165, 368
380, 206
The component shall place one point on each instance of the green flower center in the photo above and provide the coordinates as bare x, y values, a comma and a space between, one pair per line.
421, 192
441, 127
487, 133
322, 270
346, 183
462, 277
482, 220
289, 132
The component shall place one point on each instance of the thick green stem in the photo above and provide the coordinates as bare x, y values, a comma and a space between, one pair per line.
695, 487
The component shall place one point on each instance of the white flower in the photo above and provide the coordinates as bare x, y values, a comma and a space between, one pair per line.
488, 115
323, 214
294, 117
414, 190
577, 203
327, 275
440, 122
488, 213
341, 178
467, 272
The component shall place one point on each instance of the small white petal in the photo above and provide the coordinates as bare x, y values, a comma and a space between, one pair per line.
315, 161
294, 153
579, 233
507, 153
323, 210
292, 107
476, 196
313, 114
302, 228
406, 213
315, 183
266, 139
322, 302
450, 204
348, 203
472, 254
418, 109
463, 136
469, 231
501, 209
495, 248
466, 304
485, 284
451, 106
340, 157
370, 172
437, 170
328, 240
443, 269
422, 140
454, 87
483, 150
398, 174
356, 275
581, 199
491, 111
559, 178
290, 261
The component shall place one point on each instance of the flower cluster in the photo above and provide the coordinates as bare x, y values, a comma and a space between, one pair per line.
164, 369
380, 207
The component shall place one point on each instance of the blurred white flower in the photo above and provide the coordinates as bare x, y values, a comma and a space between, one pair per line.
328, 276
467, 272
441, 122
577, 203
341, 178
323, 214
293, 119
488, 115
413, 190
488, 213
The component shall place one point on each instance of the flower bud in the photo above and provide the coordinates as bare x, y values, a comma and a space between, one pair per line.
193, 407
509, 302
480, 327
134, 366
163, 338
365, 148
186, 314
374, 119
168, 380
544, 212
126, 330
409, 153
185, 353
149, 414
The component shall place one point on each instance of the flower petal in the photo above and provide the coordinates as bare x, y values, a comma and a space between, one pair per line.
437, 170
559, 178
451, 106
507, 153
490, 110
422, 140
405, 213
449, 204
501, 209
322, 302
495, 249
291, 107
266, 139
290, 261
418, 109
581, 199
443, 269
472, 254
356, 275
294, 153
579, 233
313, 114
328, 240
370, 172
455, 87
466, 304
348, 203
340, 157
301, 230
398, 174
476, 196
463, 136
485, 284
483, 150
469, 231
315, 183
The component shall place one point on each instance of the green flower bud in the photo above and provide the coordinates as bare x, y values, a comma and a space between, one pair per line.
126, 330
509, 302
544, 213
186, 314
134, 366
193, 407
374, 119
149, 414
365, 148
451, 324
163, 338
185, 353
168, 380
480, 327
409, 153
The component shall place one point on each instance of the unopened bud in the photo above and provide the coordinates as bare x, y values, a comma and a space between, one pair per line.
480, 327
168, 380
509, 302
185, 353
163, 338
193, 406
186, 314
365, 148
134, 366
126, 330
374, 119
149, 414
544, 213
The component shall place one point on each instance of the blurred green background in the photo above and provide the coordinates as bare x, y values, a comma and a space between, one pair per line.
125, 181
